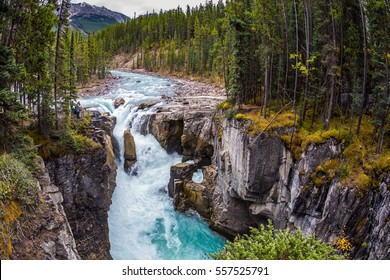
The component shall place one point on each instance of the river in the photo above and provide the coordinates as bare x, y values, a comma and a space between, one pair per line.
143, 224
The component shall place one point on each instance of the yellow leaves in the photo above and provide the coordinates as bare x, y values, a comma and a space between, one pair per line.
303, 67
225, 106
12, 212
343, 244
295, 55
240, 116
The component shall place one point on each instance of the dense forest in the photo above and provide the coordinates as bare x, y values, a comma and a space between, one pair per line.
42, 62
322, 58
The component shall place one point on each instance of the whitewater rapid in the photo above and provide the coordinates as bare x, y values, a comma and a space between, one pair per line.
142, 222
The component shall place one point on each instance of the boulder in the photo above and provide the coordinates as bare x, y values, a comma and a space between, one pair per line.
181, 171
130, 151
168, 130
197, 198
119, 102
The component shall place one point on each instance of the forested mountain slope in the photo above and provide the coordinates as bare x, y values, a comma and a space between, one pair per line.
90, 18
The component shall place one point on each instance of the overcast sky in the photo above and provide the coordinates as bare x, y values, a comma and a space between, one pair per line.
129, 7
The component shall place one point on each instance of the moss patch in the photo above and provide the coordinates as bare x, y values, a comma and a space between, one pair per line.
62, 143
260, 124
11, 212
325, 172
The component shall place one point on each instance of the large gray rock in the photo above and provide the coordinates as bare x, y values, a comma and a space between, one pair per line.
181, 172
87, 182
168, 130
185, 125
190, 195
130, 154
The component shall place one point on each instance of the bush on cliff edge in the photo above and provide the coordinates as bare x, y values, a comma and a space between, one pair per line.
18, 190
270, 244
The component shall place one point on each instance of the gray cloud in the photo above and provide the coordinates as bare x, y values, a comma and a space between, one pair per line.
141, 7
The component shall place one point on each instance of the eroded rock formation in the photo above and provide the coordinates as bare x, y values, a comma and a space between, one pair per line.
130, 154
184, 126
45, 232
87, 182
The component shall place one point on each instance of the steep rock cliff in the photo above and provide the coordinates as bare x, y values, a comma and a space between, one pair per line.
257, 179
44, 233
87, 182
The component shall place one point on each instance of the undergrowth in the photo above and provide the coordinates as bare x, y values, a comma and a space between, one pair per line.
18, 191
72, 140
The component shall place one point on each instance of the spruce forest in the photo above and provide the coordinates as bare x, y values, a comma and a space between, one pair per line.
321, 67
323, 59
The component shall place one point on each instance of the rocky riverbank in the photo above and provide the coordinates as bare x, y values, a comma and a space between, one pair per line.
183, 87
98, 87
254, 179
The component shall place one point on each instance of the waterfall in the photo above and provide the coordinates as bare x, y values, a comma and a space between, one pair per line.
142, 221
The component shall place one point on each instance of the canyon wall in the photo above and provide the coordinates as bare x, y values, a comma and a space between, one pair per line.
44, 232
251, 179
87, 181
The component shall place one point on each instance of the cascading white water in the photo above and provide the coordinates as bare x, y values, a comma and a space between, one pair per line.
142, 222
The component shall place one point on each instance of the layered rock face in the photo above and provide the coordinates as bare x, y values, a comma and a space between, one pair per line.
254, 178
46, 234
258, 179
87, 182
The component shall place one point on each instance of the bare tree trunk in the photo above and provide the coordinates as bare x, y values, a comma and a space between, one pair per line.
308, 28
296, 59
364, 90
333, 71
386, 113
296, 70
287, 64
266, 85
270, 81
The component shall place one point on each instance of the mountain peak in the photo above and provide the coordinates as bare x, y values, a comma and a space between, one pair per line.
90, 18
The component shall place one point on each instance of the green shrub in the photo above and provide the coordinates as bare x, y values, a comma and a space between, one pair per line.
72, 142
16, 182
22, 148
230, 113
344, 171
270, 244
